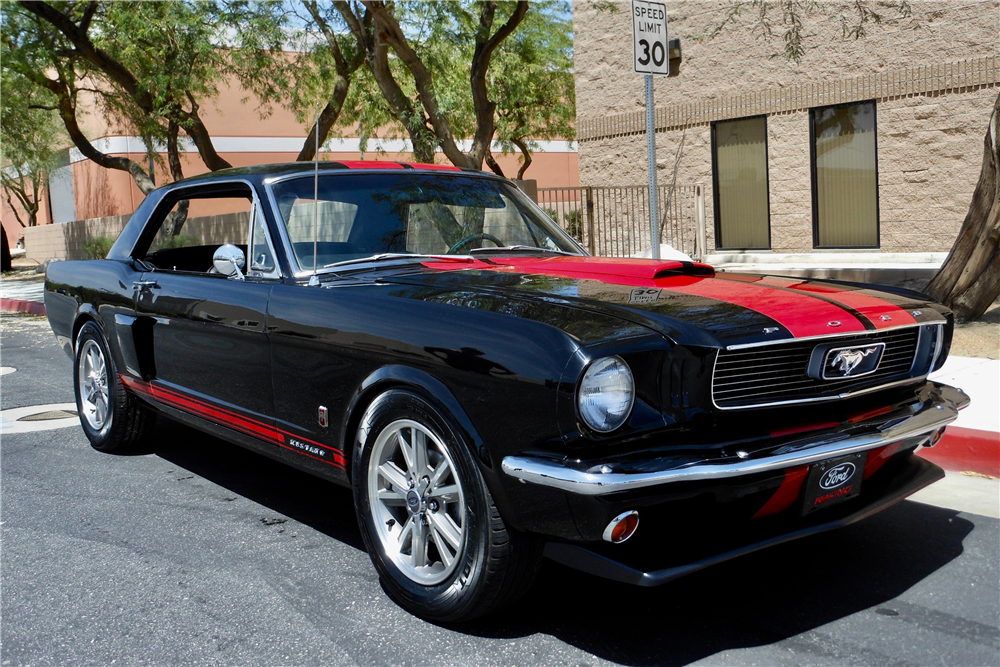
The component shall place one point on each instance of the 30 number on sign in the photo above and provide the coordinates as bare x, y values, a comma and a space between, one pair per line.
649, 37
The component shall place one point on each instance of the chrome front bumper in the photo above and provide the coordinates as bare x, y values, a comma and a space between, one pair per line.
922, 418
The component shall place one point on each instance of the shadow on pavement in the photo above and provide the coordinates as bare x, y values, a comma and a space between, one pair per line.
315, 502
758, 599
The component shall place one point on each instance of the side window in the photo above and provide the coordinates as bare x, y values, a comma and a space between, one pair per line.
192, 230
261, 258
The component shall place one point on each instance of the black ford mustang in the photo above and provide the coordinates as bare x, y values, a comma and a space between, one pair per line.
490, 392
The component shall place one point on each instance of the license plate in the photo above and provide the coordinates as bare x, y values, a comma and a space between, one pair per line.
834, 481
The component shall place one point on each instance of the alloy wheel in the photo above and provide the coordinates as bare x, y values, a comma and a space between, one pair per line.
417, 502
94, 391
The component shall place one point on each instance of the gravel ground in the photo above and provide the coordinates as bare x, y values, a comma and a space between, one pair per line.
981, 338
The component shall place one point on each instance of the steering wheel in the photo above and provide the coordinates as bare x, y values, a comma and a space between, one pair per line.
475, 237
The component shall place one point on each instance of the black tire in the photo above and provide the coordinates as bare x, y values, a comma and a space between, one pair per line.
126, 421
495, 564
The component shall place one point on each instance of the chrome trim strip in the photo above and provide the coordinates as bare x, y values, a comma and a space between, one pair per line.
938, 346
744, 346
556, 475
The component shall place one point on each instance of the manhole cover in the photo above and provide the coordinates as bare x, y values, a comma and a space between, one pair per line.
50, 414
38, 418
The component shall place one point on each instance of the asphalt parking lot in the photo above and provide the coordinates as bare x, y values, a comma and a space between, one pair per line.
194, 551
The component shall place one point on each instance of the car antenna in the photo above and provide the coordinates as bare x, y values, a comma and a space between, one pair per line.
314, 279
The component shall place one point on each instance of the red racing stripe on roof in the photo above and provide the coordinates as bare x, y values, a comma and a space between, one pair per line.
370, 164
427, 165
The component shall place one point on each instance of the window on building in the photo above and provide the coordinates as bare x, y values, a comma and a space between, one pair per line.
739, 157
845, 176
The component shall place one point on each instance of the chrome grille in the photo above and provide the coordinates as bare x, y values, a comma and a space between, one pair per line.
777, 373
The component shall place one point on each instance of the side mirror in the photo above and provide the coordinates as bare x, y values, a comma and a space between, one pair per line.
229, 260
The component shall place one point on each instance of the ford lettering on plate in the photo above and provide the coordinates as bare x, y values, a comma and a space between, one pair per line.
832, 482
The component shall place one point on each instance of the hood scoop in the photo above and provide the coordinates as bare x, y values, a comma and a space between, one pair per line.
602, 267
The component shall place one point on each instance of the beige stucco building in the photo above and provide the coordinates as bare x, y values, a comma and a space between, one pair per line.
866, 145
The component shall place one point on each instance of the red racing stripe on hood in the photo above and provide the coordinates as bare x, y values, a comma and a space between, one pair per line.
881, 313
800, 313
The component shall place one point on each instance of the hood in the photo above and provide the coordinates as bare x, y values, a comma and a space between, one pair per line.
687, 302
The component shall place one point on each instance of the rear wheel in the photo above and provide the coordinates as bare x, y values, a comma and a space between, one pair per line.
427, 518
112, 419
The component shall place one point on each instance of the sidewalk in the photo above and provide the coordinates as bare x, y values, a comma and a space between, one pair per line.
23, 296
972, 443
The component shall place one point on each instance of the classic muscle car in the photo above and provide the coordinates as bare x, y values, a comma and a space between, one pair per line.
490, 392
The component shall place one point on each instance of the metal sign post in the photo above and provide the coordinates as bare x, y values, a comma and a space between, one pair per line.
650, 56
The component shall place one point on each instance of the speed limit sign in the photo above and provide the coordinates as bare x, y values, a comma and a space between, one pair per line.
649, 38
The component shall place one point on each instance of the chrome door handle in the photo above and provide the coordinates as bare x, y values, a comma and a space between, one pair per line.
145, 284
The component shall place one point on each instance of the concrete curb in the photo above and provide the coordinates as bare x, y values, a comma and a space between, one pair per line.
21, 306
967, 450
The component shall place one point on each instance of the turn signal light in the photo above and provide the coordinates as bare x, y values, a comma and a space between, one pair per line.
622, 527
937, 437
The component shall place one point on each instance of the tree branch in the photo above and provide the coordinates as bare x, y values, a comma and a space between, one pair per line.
484, 107
373, 44
523, 147
387, 29
492, 164
341, 85
195, 128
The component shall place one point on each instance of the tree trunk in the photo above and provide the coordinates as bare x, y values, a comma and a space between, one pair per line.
969, 279
5, 258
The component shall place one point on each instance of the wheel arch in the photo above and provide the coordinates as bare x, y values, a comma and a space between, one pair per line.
87, 313
427, 387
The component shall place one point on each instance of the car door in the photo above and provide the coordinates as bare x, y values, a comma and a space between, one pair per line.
207, 334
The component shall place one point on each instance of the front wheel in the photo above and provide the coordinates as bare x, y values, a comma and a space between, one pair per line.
112, 419
427, 518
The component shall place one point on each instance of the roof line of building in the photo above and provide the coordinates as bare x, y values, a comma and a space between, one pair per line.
130, 144
901, 82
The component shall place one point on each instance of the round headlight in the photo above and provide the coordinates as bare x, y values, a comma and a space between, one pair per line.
606, 394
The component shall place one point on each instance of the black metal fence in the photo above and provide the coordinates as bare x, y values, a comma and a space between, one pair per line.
613, 221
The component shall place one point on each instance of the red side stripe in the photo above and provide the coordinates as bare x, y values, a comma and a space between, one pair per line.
228, 418
787, 493
872, 307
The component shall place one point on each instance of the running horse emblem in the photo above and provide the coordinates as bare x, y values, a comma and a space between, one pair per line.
847, 360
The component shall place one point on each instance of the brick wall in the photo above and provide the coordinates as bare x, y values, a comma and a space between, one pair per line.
934, 76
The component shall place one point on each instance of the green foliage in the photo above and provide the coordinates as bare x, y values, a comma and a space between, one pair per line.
29, 140
574, 224
530, 77
165, 241
144, 65
98, 247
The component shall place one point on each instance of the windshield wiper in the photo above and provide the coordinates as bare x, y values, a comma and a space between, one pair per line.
399, 255
523, 248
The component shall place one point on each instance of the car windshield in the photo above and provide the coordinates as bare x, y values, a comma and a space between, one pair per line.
361, 215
